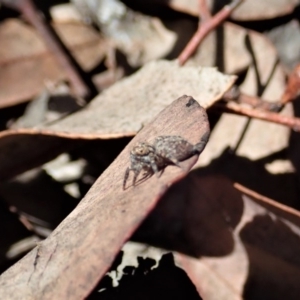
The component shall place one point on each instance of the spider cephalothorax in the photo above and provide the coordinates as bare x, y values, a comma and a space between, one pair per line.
166, 150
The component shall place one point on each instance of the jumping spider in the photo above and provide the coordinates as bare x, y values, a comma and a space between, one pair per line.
166, 150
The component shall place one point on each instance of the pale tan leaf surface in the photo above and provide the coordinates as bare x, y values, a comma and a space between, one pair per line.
253, 139
238, 50
26, 64
120, 111
85, 43
128, 105
65, 12
226, 47
249, 10
260, 10
69, 263
251, 51
140, 37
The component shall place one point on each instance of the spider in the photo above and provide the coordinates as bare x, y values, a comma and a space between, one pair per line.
166, 150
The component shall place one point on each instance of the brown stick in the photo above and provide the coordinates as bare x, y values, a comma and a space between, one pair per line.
204, 12
291, 122
206, 27
235, 95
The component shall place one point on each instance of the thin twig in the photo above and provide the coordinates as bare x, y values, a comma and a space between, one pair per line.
257, 102
266, 200
205, 28
234, 94
204, 12
291, 122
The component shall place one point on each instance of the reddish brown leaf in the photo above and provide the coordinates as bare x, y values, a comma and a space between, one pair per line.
202, 213
227, 239
26, 64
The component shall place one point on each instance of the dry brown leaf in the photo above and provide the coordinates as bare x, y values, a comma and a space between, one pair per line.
201, 224
78, 253
140, 37
227, 238
26, 64
260, 10
265, 77
226, 48
241, 49
271, 235
249, 10
128, 105
84, 42
121, 110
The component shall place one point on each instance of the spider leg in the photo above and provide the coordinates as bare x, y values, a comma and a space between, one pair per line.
154, 166
198, 148
144, 177
126, 177
136, 174
147, 173
161, 172
173, 160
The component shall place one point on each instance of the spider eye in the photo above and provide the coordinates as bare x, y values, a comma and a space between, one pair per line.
143, 151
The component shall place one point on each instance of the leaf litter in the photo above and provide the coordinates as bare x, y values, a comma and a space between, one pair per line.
231, 242
120, 111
